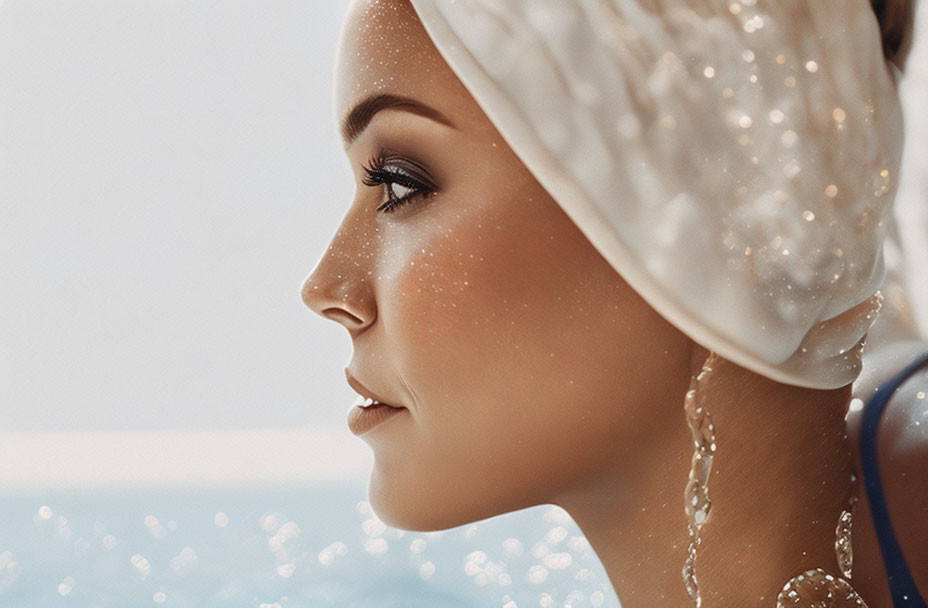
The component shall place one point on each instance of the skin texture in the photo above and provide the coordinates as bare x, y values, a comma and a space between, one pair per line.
531, 373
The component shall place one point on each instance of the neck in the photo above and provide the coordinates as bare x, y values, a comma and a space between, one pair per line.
779, 481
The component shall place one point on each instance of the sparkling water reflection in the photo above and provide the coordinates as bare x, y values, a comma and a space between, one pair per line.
322, 546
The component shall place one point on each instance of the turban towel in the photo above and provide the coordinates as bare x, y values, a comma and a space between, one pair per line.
735, 161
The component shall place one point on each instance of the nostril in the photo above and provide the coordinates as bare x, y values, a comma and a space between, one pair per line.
342, 316
339, 297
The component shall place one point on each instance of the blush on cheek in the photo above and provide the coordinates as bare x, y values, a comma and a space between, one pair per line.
437, 276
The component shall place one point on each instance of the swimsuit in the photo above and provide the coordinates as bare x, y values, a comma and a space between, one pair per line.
901, 585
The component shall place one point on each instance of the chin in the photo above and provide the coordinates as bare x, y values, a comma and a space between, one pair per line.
419, 508
407, 509
400, 511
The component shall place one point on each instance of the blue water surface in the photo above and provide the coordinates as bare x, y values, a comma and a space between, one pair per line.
273, 548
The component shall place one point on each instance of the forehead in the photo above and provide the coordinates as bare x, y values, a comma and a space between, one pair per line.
385, 49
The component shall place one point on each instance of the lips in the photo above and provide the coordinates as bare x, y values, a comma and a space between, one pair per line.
370, 398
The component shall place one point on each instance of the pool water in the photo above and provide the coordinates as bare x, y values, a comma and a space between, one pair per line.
274, 548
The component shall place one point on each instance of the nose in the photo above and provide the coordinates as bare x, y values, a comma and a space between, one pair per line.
339, 288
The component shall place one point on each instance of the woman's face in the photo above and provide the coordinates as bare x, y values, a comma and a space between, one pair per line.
525, 363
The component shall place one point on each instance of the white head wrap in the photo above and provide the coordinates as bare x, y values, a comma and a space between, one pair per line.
733, 160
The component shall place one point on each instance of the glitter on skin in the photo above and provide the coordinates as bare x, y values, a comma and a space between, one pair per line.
414, 482
477, 278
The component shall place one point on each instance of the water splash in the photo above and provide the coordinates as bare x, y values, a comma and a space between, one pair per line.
697, 500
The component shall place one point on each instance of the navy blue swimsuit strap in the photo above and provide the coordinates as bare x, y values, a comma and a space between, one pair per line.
901, 585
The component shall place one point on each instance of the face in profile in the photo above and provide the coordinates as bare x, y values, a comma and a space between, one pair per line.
526, 366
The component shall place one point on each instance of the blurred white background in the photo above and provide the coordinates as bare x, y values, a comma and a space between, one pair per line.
169, 173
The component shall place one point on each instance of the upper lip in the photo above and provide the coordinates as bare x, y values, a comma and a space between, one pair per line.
365, 392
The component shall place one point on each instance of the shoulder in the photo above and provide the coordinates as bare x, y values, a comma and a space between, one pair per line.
902, 454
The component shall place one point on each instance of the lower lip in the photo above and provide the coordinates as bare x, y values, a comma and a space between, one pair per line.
363, 419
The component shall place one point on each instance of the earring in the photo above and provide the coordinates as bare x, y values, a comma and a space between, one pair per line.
817, 587
697, 490
844, 551
814, 588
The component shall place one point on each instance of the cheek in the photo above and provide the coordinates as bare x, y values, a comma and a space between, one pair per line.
510, 328
447, 301
529, 360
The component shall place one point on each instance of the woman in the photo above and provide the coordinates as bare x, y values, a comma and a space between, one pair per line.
531, 335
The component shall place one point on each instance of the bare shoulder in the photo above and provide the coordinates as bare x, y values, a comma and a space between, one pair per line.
902, 454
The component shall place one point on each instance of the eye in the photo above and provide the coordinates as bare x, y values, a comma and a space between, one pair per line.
400, 192
403, 180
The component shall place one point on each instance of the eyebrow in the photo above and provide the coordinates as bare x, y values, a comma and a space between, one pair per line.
362, 114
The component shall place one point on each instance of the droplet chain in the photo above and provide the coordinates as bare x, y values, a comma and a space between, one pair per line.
814, 588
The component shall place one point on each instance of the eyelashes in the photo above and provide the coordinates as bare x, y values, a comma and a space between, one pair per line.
403, 180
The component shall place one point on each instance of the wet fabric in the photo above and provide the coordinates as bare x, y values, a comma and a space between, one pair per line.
902, 586
717, 154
